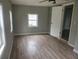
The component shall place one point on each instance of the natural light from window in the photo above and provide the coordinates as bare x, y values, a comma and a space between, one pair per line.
2, 35
32, 20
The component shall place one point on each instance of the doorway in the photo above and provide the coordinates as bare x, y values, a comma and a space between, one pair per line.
67, 22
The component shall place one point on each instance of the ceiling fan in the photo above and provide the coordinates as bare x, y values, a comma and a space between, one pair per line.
54, 1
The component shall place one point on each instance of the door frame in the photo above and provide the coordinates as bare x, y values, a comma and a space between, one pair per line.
63, 11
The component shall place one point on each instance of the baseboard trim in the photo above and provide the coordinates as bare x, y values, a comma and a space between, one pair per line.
76, 51
70, 44
15, 34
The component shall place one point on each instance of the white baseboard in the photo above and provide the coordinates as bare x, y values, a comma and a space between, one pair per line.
76, 51
70, 44
30, 33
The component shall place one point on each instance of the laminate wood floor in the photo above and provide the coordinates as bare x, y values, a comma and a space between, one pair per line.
41, 47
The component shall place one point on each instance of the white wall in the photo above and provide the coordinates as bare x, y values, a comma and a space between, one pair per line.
8, 35
76, 35
73, 38
76, 44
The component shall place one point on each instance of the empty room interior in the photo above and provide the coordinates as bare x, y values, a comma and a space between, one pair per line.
38, 29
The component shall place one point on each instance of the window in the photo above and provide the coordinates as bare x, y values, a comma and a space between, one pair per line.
32, 20
1, 43
1, 26
2, 35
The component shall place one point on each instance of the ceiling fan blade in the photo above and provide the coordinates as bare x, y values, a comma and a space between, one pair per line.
43, 1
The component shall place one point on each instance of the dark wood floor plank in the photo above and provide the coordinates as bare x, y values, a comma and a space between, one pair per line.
41, 47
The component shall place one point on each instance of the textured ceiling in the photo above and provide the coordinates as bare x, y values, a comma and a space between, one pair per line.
36, 2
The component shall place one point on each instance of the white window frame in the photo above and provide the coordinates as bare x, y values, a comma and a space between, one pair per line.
2, 32
33, 18
11, 21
